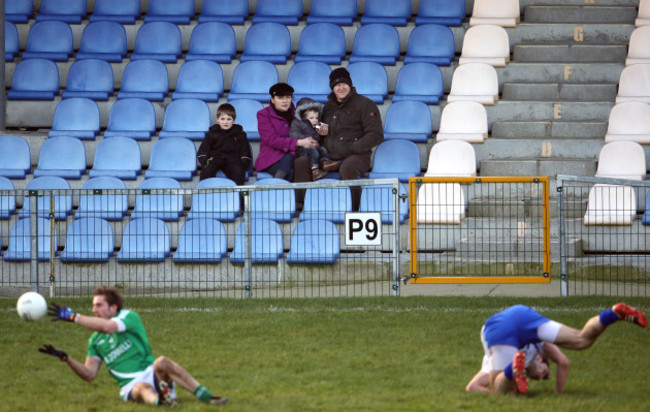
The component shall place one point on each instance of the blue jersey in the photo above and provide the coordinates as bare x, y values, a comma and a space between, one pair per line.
515, 326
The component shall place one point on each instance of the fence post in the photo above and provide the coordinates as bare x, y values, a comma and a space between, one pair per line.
248, 245
396, 239
33, 231
564, 282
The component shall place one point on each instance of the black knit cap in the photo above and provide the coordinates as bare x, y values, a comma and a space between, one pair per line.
340, 75
281, 89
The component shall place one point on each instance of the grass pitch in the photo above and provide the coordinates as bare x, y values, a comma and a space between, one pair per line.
337, 354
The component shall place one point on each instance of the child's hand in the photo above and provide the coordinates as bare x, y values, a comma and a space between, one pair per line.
323, 129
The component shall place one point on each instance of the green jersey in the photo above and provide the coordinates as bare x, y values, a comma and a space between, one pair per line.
127, 352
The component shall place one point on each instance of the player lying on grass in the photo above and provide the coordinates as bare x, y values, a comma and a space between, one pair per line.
506, 332
120, 340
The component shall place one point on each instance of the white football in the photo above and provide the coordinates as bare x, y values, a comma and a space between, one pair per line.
31, 306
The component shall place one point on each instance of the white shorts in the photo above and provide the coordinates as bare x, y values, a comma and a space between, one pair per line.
146, 376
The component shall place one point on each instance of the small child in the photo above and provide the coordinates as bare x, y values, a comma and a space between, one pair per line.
306, 124
225, 147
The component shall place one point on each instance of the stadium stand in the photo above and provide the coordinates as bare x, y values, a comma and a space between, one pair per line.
76, 117
310, 79
634, 84
267, 41
340, 12
19, 11
166, 207
379, 198
370, 79
252, 80
393, 12
173, 11
117, 157
15, 158
486, 44
266, 242
199, 79
445, 12
314, 242
158, 40
463, 120
132, 117
50, 40
7, 202
622, 160
173, 157
286, 12
451, 158
35, 79
327, 203
105, 40
637, 51
68, 11
474, 81
408, 119
646, 215
91, 78
145, 240
62, 156
610, 205
323, 42
440, 203
201, 241
147, 79
419, 81
377, 43
629, 121
274, 204
396, 158
212, 41
11, 41
246, 110
104, 202
123, 11
88, 240
431, 43
216, 204
188, 118
20, 243
503, 13
224, 11
62, 202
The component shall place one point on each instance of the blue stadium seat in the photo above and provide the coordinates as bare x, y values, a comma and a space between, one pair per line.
132, 117
105, 202
266, 242
267, 42
377, 43
62, 202
159, 40
445, 12
380, 198
15, 157
410, 120
88, 240
246, 110
91, 78
286, 12
341, 12
8, 201
219, 203
646, 214
396, 158
199, 79
310, 79
35, 79
145, 240
314, 242
147, 79
189, 118
19, 11
173, 157
370, 79
20, 242
393, 12
123, 11
62, 156
274, 204
11, 41
76, 117
212, 41
252, 80
327, 203
431, 43
323, 42
224, 11
117, 156
173, 11
419, 81
201, 241
69, 11
167, 207
105, 40
50, 40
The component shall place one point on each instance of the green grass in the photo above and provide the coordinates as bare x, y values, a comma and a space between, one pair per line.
338, 354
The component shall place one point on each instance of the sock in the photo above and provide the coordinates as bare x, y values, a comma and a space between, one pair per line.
607, 317
203, 393
508, 372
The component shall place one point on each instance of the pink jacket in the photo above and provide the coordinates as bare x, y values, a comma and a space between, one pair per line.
274, 137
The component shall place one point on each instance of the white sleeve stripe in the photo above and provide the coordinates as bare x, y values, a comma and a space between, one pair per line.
121, 327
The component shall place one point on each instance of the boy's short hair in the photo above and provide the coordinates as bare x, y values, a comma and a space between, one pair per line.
227, 109
303, 114
111, 294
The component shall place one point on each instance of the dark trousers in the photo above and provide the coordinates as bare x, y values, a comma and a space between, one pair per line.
315, 155
282, 168
233, 169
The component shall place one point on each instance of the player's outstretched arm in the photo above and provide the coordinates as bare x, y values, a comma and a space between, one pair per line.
87, 371
555, 355
97, 324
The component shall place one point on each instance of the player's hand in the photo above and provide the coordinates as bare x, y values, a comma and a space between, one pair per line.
61, 313
51, 350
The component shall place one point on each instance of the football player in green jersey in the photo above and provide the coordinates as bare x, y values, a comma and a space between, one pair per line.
120, 340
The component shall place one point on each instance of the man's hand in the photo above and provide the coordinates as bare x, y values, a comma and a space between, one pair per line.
61, 313
51, 350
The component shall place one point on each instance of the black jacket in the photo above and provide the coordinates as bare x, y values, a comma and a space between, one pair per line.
231, 143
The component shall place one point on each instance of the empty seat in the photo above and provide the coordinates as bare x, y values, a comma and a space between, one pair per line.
69, 11
268, 42
20, 242
105, 40
275, 204
224, 11
173, 157
189, 118
323, 42
431, 43
278, 11
380, 198
19, 11
246, 110
7, 201
463, 120
199, 79
77, 117
252, 80
328, 203
145, 240
62, 156
637, 51
132, 117
266, 242
440, 203
34, 79
376, 43
446, 12
486, 44
419, 81
610, 205
634, 83
50, 40
643, 16
629, 121
92, 78
167, 206
622, 160
15, 158
118, 157
310, 79
340, 12
396, 158
11, 41
61, 193
408, 119
370, 79
474, 81
105, 201
146, 79
212, 41
451, 158
159, 40
314, 242
88, 240
123, 11
503, 13
216, 201
646, 214
174, 11
201, 241
393, 12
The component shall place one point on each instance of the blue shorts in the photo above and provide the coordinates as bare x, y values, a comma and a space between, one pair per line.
514, 326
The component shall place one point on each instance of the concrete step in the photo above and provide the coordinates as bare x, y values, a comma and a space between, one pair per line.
560, 72
580, 14
548, 129
570, 53
511, 110
571, 33
538, 167
538, 149
559, 91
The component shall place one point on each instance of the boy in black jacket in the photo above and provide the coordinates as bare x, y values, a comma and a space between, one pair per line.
225, 147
